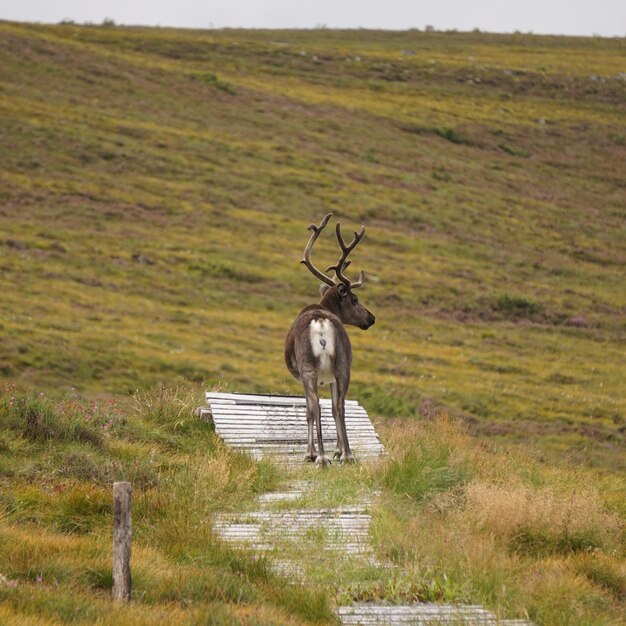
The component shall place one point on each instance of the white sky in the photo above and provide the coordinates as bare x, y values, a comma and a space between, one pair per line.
571, 17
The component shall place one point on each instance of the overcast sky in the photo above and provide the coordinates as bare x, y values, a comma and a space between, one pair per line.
572, 17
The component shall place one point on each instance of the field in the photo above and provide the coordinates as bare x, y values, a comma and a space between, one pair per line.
155, 190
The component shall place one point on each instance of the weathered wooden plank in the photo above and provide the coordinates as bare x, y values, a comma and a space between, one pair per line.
282, 427
294, 443
298, 421
296, 449
325, 406
248, 429
273, 446
236, 415
234, 423
276, 415
286, 434
290, 427
243, 398
278, 404
236, 412
421, 614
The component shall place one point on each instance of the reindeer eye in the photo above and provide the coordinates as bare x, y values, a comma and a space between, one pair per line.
355, 300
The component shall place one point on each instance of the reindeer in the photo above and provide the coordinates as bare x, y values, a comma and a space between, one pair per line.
317, 346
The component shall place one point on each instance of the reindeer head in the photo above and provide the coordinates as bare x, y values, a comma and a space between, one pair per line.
337, 295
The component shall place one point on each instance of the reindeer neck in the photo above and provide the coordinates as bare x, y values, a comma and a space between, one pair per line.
330, 301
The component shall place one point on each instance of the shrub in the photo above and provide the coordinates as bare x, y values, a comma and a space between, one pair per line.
214, 81
517, 307
451, 135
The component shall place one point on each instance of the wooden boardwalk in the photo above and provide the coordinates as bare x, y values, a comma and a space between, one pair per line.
276, 425
421, 614
286, 531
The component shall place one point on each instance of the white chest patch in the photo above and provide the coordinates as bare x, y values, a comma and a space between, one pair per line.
322, 334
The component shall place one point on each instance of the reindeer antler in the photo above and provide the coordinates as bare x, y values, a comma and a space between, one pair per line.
306, 257
342, 264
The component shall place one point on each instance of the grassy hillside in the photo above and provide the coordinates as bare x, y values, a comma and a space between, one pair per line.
156, 186
453, 521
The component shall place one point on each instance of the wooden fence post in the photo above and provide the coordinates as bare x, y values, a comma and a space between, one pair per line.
122, 533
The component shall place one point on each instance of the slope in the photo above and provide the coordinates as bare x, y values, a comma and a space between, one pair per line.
156, 185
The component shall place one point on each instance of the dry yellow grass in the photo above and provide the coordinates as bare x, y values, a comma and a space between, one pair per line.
509, 511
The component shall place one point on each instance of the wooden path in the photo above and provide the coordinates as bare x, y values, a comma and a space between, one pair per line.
298, 536
426, 614
276, 425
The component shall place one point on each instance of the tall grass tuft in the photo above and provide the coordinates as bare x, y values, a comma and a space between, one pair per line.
37, 418
422, 464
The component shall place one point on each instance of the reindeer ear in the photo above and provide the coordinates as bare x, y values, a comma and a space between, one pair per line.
342, 290
324, 289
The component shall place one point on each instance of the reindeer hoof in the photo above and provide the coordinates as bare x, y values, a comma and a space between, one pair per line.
337, 455
347, 458
310, 458
322, 461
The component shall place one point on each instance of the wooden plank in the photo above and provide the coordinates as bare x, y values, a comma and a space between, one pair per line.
299, 417
261, 427
280, 412
327, 421
325, 406
421, 614
328, 433
298, 446
295, 446
292, 429
238, 418
349, 404
291, 442
235, 413
234, 418
272, 414
292, 435
288, 433
243, 398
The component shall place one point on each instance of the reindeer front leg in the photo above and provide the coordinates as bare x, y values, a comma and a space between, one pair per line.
336, 413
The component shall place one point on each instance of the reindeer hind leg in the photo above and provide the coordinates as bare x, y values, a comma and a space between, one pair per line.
311, 402
314, 417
